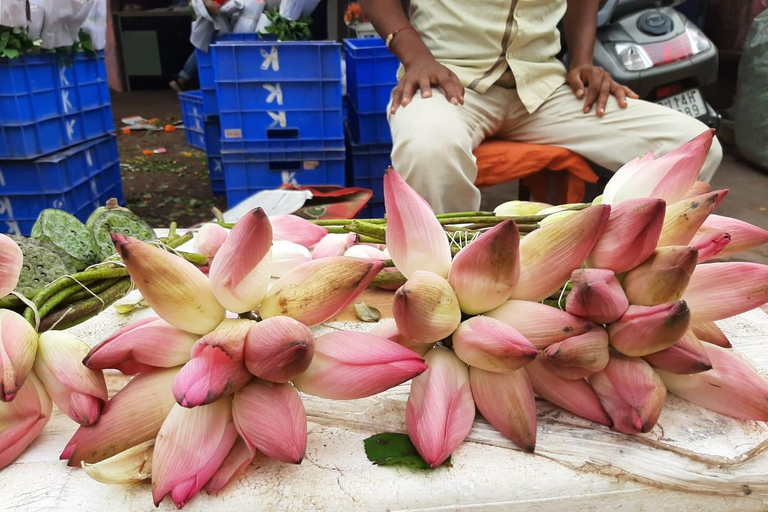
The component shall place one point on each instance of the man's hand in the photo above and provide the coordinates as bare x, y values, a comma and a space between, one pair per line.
599, 85
424, 74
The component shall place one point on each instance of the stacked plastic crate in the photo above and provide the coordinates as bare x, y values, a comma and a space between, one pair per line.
57, 149
371, 76
280, 110
203, 132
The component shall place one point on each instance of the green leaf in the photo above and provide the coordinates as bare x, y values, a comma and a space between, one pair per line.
393, 449
10, 53
4, 37
367, 313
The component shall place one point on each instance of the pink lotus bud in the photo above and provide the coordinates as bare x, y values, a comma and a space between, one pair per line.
685, 217
721, 290
11, 260
485, 272
596, 295
631, 393
415, 238
644, 330
540, 324
711, 245
79, 392
668, 178
133, 416
511, 208
731, 387
18, 346
190, 447
292, 228
271, 418
575, 396
661, 278
238, 459
577, 357
744, 236
278, 349
711, 333
217, 367
240, 271
686, 356
506, 400
142, 346
492, 345
698, 188
177, 291
286, 256
630, 236
349, 365
23, 419
209, 240
551, 253
440, 409
317, 291
333, 245
366, 252
388, 329
426, 308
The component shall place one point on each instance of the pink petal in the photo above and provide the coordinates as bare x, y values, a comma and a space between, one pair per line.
644, 330
721, 290
297, 230
596, 295
426, 308
540, 324
492, 345
209, 239
744, 236
686, 356
388, 329
11, 259
662, 278
710, 246
578, 356
333, 245
685, 217
22, 420
623, 175
18, 347
238, 459
711, 333
278, 349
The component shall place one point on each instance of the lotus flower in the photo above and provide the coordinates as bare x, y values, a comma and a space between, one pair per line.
241, 269
79, 392
540, 324
415, 238
711, 333
523, 208
686, 356
317, 291
744, 236
731, 387
644, 330
575, 396
177, 291
661, 278
630, 236
596, 295
506, 400
333, 245
388, 329
23, 419
440, 409
484, 273
209, 240
699, 187
492, 345
18, 346
132, 466
551, 253
217, 367
366, 252
190, 447
578, 356
271, 418
349, 365
278, 349
668, 178
631, 393
142, 346
426, 308
297, 230
11, 260
238, 459
685, 217
711, 245
133, 416
721, 290
286, 256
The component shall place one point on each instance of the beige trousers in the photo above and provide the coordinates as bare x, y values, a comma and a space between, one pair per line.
433, 140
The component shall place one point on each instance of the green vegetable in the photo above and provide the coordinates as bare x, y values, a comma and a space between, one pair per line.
392, 449
287, 30
43, 264
67, 233
113, 219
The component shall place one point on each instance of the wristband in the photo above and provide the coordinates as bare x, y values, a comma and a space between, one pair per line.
390, 37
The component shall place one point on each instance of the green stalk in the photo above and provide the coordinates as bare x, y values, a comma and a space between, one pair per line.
199, 260
337, 230
464, 214
365, 239
79, 312
96, 288
365, 228
387, 279
10, 302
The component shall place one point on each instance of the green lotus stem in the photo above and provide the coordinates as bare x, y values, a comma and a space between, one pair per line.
71, 315
172, 230
94, 289
387, 279
332, 222
364, 239
10, 302
337, 230
198, 260
177, 240
464, 214
365, 228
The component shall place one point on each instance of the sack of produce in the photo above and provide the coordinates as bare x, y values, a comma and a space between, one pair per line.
752, 95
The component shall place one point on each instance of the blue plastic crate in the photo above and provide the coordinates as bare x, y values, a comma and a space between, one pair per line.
278, 145
366, 166
246, 174
369, 128
371, 73
373, 210
193, 117
60, 171
216, 172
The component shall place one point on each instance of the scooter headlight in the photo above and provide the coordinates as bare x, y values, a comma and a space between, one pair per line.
633, 57
699, 42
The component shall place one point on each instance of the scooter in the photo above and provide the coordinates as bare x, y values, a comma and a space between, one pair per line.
657, 52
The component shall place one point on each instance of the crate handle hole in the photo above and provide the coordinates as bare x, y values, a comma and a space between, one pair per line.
282, 133
292, 165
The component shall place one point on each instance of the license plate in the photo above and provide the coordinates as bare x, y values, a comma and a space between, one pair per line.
689, 102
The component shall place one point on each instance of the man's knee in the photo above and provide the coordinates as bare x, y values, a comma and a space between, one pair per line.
433, 151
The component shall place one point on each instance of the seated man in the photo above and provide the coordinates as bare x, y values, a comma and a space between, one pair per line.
488, 69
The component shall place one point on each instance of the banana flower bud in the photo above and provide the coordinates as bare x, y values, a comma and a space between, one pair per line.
426, 308
278, 349
349, 365
18, 346
596, 295
686, 356
644, 330
744, 236
23, 419
577, 357
440, 408
685, 217
209, 240
661, 278
540, 324
286, 256
492, 345
721, 290
293, 228
711, 333
11, 260
132, 466
333, 244
388, 329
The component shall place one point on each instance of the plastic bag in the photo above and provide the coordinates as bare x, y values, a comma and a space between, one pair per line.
291, 9
13, 13
62, 22
96, 24
246, 21
752, 95
36, 18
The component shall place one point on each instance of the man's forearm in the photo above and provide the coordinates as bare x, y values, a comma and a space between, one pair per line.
387, 16
580, 26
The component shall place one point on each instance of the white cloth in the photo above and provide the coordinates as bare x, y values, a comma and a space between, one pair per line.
96, 24
291, 9
13, 13
246, 21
